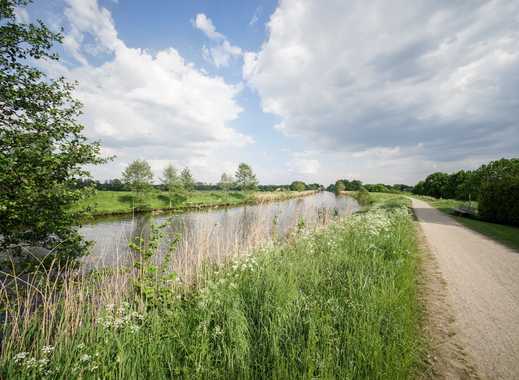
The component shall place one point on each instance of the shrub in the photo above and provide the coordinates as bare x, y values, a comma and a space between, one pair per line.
363, 197
499, 201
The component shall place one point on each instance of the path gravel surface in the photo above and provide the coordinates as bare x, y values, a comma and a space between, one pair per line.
482, 286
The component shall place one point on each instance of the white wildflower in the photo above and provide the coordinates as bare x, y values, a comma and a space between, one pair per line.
84, 358
47, 349
110, 307
20, 356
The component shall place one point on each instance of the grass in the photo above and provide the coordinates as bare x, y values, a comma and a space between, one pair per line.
337, 302
121, 202
507, 235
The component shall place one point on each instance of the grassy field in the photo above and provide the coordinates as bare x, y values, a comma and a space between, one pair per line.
507, 235
338, 302
119, 202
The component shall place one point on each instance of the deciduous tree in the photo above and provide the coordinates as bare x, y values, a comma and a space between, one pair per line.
187, 180
138, 176
245, 178
43, 151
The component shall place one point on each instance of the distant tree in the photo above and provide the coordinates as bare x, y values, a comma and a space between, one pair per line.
298, 186
354, 185
138, 176
339, 187
226, 182
187, 180
43, 152
171, 182
245, 178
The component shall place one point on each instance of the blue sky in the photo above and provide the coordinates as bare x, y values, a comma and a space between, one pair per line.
297, 88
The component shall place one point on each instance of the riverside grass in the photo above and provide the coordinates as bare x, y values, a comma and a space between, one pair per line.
121, 202
339, 302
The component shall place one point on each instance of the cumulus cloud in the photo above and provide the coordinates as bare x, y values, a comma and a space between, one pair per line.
301, 164
222, 52
386, 77
143, 105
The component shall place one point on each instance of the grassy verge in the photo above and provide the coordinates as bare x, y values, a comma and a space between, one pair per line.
507, 235
339, 302
121, 202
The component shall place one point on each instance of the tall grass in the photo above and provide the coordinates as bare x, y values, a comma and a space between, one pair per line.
338, 302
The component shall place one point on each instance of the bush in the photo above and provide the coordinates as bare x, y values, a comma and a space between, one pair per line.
499, 201
363, 197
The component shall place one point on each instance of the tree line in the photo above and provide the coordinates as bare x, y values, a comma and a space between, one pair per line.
356, 185
495, 186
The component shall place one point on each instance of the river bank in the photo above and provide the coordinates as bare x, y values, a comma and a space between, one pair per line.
110, 203
335, 301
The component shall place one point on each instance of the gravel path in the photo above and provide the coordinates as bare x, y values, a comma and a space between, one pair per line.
482, 282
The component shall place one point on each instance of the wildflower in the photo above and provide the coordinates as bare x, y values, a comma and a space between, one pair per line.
31, 363
20, 356
47, 349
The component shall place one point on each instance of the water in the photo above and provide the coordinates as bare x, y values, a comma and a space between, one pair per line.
214, 234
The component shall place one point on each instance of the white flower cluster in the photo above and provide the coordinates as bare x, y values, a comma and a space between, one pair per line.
118, 317
243, 264
87, 362
32, 363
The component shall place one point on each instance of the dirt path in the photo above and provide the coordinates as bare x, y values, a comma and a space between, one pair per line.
482, 287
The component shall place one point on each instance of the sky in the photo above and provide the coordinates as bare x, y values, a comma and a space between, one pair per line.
384, 92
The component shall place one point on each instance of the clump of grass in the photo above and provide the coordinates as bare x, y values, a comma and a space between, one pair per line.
339, 302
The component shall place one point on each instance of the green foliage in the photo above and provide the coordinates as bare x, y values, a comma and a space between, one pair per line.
499, 198
363, 197
154, 281
494, 185
43, 152
186, 179
138, 176
339, 187
245, 178
298, 186
226, 182
171, 182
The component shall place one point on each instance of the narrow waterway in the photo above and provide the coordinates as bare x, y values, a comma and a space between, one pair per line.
212, 234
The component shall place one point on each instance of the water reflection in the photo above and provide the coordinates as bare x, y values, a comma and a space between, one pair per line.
213, 234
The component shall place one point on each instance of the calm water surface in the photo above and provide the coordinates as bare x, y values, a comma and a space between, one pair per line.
213, 234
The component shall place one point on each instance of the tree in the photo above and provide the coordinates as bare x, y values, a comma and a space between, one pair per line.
171, 181
245, 178
138, 176
297, 186
43, 151
187, 180
339, 187
226, 182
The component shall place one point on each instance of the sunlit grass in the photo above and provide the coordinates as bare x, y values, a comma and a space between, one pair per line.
119, 202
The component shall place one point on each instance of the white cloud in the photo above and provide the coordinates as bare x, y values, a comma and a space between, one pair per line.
255, 17
222, 53
299, 164
143, 105
205, 24
369, 77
